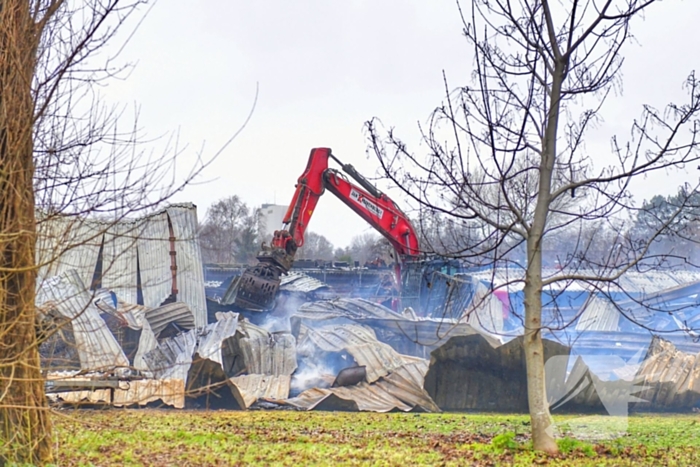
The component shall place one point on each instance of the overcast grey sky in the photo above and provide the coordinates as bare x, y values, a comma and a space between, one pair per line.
324, 68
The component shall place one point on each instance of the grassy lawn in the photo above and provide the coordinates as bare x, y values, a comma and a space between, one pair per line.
189, 438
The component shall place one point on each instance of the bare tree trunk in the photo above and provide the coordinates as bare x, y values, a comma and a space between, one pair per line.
540, 418
24, 418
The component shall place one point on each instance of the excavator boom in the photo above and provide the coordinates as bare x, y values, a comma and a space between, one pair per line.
257, 286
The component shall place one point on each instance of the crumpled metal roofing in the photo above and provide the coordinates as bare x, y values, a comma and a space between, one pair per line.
670, 378
154, 259
143, 391
98, 350
97, 396
249, 388
176, 312
630, 282
190, 272
128, 242
300, 282
211, 338
352, 308
361, 342
125, 393
599, 314
401, 390
225, 349
390, 326
64, 243
263, 352
172, 357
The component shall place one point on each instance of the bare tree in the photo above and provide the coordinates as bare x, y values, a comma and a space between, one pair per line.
231, 232
64, 154
507, 159
369, 247
316, 246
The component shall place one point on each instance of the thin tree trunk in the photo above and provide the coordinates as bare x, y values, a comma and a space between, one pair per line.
24, 417
540, 418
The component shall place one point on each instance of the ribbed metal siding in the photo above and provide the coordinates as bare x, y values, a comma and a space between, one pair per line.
98, 350
154, 260
119, 260
190, 275
81, 240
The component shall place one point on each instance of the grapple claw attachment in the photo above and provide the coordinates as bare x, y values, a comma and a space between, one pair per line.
257, 287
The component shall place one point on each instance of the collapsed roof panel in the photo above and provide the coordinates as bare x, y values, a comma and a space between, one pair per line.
154, 260
190, 275
401, 390
352, 308
262, 352
119, 260
361, 342
299, 282
162, 249
470, 373
97, 348
65, 243
669, 378
250, 388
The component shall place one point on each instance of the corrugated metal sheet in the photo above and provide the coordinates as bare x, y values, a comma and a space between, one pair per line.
212, 337
249, 388
127, 393
402, 390
484, 312
68, 243
670, 378
154, 260
147, 238
599, 314
172, 357
630, 282
404, 332
226, 348
141, 392
352, 308
147, 343
98, 396
119, 260
262, 352
190, 273
469, 373
176, 312
361, 342
299, 282
98, 350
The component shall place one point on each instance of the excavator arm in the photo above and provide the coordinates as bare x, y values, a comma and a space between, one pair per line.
258, 285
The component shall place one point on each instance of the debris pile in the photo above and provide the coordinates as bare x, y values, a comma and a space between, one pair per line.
328, 357
339, 354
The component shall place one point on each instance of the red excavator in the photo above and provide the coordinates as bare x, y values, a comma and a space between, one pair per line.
257, 287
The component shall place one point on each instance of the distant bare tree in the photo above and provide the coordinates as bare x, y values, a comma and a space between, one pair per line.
316, 246
231, 232
506, 158
369, 247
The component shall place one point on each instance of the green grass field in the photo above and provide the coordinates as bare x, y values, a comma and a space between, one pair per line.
193, 438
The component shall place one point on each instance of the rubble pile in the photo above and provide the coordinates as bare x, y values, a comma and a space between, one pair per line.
327, 358
318, 353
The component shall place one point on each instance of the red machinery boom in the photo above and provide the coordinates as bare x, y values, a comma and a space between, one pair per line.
258, 285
